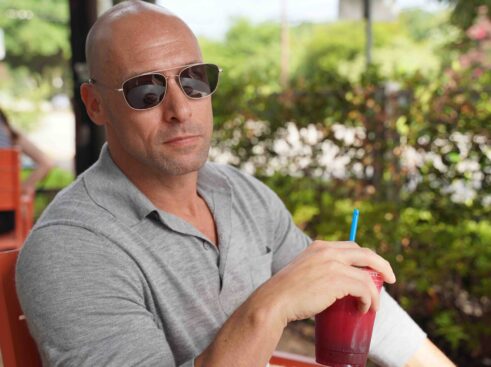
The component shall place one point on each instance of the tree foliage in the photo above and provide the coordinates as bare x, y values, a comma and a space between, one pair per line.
465, 11
36, 66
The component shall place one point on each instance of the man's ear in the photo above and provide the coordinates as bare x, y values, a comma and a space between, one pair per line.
92, 102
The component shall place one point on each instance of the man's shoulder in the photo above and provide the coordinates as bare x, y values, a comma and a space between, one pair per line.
71, 206
73, 221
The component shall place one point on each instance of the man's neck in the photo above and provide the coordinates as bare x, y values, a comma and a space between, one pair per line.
179, 196
175, 194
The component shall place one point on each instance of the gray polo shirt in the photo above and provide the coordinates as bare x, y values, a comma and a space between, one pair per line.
107, 279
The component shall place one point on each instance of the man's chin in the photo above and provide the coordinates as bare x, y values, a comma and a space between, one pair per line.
181, 168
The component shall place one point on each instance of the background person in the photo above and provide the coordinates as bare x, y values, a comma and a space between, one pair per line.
9, 137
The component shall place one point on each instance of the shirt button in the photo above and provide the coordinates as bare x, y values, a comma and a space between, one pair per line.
205, 246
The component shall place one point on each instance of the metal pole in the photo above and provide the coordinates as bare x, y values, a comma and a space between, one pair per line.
284, 45
88, 136
367, 13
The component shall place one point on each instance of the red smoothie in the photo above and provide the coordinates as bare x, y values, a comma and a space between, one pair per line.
343, 333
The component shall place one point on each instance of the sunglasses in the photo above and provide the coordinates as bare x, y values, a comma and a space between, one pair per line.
146, 91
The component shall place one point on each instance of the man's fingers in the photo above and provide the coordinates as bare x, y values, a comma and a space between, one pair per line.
364, 257
365, 288
322, 245
351, 253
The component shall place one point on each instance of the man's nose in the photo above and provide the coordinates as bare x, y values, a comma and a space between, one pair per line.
176, 104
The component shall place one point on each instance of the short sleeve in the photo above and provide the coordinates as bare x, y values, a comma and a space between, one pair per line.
396, 337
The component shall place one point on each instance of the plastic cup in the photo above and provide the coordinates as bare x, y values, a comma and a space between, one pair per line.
343, 333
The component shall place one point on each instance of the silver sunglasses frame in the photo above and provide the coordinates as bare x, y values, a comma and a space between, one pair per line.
160, 72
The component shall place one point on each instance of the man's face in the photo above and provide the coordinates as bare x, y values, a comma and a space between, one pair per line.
172, 138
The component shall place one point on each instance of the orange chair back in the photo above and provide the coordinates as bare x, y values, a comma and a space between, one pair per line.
10, 179
12, 200
17, 346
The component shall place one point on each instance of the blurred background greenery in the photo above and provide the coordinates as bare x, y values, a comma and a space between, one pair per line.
406, 140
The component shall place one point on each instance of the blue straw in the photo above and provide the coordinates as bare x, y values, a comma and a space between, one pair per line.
354, 225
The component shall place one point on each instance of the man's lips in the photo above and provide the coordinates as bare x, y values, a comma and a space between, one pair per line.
182, 140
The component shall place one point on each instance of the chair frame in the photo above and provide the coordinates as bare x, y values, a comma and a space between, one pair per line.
17, 346
285, 359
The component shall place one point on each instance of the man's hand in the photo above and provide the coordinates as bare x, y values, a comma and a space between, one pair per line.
323, 273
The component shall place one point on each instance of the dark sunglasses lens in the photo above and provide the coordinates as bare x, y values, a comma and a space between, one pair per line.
199, 81
144, 91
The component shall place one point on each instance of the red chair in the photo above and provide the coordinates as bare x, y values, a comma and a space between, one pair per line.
12, 200
17, 346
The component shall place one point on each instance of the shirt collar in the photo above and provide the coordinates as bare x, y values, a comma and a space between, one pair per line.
111, 189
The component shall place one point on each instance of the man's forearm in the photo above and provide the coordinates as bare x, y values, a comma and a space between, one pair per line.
428, 355
248, 338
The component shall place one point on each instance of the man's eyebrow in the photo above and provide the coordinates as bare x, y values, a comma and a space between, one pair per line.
195, 62
131, 75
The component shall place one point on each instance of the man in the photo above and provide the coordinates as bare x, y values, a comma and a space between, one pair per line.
154, 257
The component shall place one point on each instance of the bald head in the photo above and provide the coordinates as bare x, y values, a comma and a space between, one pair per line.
129, 23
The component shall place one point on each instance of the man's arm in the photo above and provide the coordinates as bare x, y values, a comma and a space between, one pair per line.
429, 355
410, 345
398, 341
248, 337
319, 276
43, 164
251, 334
84, 302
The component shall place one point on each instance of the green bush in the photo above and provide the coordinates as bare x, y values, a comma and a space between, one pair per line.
443, 269
417, 217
